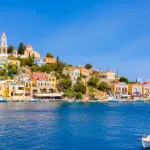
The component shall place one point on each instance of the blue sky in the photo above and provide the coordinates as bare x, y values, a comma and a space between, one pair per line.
100, 32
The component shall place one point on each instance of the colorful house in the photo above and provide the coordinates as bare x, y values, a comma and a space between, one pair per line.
146, 89
50, 60
136, 90
119, 89
52, 80
85, 74
109, 75
2, 89
14, 63
73, 72
28, 87
43, 86
39, 61
39, 76
16, 91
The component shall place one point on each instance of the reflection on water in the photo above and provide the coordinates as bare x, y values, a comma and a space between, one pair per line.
72, 126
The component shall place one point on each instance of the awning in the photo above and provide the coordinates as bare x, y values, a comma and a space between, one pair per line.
48, 95
19, 92
125, 95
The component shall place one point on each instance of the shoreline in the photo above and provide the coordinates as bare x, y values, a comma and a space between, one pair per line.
72, 101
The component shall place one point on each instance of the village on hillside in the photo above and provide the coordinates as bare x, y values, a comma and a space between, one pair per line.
25, 75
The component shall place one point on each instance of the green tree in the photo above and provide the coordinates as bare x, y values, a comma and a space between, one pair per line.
94, 82
59, 66
57, 59
136, 81
69, 93
79, 95
26, 61
103, 86
47, 68
88, 66
80, 87
65, 84
21, 48
123, 79
12, 70
10, 49
49, 55
33, 56
35, 68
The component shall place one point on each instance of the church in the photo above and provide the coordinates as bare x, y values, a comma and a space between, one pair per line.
3, 45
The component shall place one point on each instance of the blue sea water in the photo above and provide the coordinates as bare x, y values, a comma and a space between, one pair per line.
73, 126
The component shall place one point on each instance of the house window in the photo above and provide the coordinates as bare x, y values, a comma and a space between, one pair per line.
20, 88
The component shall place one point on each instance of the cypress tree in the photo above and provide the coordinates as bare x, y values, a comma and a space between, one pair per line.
10, 49
21, 48
57, 58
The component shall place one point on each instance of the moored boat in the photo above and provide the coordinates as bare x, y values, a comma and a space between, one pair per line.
146, 141
112, 99
32, 100
2, 100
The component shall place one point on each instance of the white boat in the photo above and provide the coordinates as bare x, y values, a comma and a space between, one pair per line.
77, 101
146, 141
2, 100
112, 99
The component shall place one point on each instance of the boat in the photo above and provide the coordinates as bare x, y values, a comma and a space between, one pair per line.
2, 100
77, 101
45, 101
94, 100
32, 100
112, 99
146, 141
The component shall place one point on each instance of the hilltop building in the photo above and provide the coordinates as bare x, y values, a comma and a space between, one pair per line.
30, 52
109, 75
50, 60
39, 61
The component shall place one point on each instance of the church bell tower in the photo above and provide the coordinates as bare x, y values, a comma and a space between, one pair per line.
3, 44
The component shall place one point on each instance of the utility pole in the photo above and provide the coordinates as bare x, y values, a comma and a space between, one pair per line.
117, 74
107, 67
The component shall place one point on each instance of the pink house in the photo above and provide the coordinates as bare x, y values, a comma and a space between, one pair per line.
39, 76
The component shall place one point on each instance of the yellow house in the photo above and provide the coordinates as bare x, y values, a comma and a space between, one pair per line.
109, 75
14, 63
16, 91
2, 89
52, 80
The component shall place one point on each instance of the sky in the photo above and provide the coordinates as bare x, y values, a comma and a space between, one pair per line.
113, 33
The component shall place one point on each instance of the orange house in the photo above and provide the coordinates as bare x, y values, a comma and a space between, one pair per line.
50, 60
39, 76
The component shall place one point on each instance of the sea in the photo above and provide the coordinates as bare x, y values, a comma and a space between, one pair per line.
73, 126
